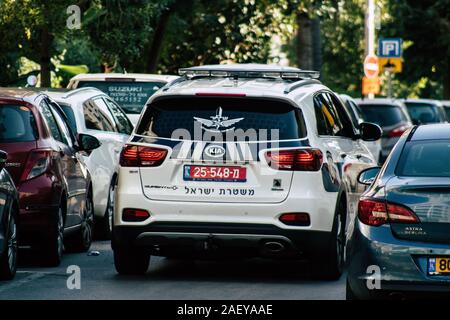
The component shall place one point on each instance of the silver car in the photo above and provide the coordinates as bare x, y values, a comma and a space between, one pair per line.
391, 116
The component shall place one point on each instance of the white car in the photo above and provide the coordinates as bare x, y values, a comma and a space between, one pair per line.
357, 118
91, 111
130, 90
249, 160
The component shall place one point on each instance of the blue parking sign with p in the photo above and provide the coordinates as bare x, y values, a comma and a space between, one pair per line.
390, 48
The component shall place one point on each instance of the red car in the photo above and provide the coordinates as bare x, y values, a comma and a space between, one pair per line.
45, 161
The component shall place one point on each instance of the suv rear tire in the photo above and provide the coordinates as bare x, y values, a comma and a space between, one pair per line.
130, 262
332, 265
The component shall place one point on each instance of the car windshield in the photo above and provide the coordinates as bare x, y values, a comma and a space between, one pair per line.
131, 96
424, 113
17, 124
206, 118
447, 110
383, 115
429, 158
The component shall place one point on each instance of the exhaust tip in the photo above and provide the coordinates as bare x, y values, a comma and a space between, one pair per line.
274, 247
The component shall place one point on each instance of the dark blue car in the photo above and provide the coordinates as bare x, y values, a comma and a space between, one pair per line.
399, 245
8, 222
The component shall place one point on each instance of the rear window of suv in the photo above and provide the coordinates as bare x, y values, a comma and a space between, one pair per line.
17, 124
210, 119
428, 158
383, 115
131, 96
425, 112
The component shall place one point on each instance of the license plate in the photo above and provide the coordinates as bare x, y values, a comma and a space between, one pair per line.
214, 173
439, 266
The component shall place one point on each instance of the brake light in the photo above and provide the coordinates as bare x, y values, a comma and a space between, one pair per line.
295, 160
397, 132
295, 219
375, 212
135, 215
140, 156
219, 94
37, 163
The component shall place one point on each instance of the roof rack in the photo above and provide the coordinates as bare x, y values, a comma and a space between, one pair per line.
248, 71
77, 90
299, 84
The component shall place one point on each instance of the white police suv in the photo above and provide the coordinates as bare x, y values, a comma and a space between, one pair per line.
240, 160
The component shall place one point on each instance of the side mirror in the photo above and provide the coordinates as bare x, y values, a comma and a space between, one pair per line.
367, 176
370, 131
3, 159
87, 142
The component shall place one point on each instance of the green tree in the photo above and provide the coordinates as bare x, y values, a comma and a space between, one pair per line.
40, 22
9, 48
205, 32
120, 30
425, 27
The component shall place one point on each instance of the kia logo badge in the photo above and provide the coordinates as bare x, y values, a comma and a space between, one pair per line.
215, 151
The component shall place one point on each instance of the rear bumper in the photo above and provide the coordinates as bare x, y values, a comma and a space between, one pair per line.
402, 264
199, 239
305, 196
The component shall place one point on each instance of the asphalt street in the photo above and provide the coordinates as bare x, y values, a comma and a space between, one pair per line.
169, 279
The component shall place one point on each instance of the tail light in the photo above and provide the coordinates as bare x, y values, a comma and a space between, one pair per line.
37, 163
376, 213
397, 132
296, 219
295, 160
139, 156
135, 215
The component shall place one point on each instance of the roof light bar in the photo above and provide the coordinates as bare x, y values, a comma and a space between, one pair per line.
290, 73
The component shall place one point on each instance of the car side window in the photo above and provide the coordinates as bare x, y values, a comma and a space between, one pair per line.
96, 118
328, 121
44, 108
123, 124
343, 116
65, 131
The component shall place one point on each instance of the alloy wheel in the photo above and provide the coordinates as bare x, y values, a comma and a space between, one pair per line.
88, 222
12, 244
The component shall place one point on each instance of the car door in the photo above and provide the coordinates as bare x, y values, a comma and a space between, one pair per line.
73, 171
343, 153
357, 155
100, 122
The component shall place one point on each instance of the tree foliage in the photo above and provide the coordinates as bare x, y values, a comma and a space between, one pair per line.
164, 35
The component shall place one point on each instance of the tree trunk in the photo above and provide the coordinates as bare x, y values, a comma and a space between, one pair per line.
446, 81
317, 45
158, 38
44, 60
305, 49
